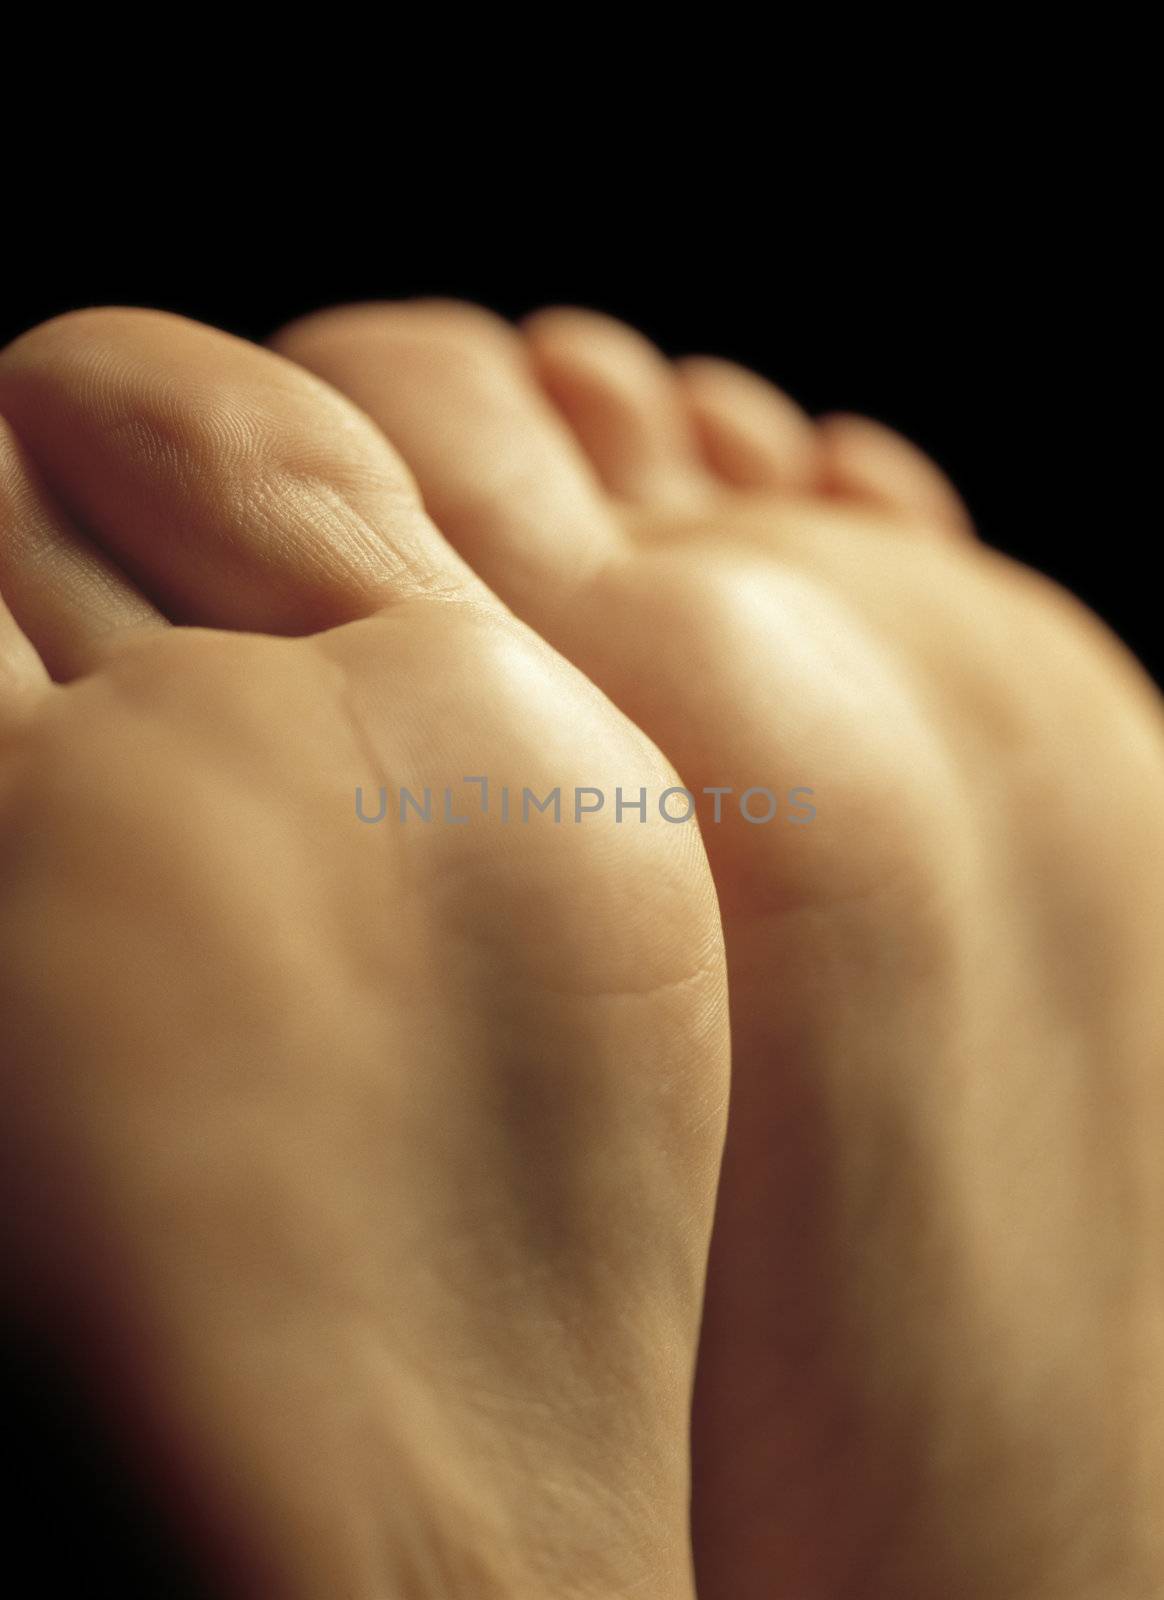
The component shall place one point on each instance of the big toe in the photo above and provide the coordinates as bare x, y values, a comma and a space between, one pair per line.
453, 389
215, 482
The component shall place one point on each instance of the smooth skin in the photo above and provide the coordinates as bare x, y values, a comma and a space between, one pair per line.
365, 1171
933, 1352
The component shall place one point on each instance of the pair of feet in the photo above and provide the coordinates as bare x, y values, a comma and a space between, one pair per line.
375, 1166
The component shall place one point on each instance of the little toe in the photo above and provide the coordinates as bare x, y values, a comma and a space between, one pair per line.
451, 387
236, 489
864, 460
753, 435
66, 596
620, 396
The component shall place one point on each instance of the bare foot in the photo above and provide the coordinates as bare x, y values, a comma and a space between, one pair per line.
933, 1357
369, 1165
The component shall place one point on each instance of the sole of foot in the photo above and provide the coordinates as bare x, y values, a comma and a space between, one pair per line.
363, 1164
931, 1355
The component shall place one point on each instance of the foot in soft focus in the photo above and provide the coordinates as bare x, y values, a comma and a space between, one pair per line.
933, 1357
364, 1169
